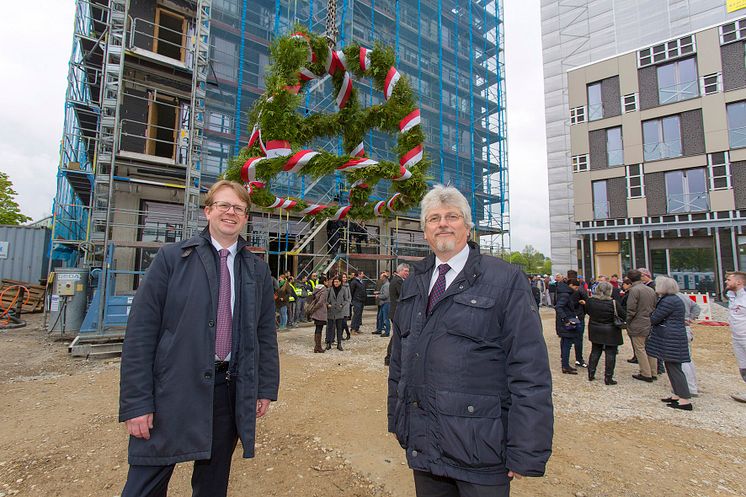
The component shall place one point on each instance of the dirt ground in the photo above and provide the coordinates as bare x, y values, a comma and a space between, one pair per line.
326, 436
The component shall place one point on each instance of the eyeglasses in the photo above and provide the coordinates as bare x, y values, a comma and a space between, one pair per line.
223, 207
450, 218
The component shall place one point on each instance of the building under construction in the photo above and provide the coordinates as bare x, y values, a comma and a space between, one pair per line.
157, 103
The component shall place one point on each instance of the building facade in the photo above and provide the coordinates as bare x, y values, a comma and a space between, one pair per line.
578, 33
160, 92
658, 154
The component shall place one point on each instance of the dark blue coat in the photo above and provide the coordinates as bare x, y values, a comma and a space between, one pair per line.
168, 359
470, 392
565, 309
668, 340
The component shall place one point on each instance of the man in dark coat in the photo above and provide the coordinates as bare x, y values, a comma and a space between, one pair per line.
470, 396
357, 290
397, 280
200, 360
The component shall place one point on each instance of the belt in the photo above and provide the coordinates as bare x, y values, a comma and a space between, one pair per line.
221, 366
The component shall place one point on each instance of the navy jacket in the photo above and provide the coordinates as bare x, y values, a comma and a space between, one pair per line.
470, 392
357, 290
668, 340
565, 310
168, 358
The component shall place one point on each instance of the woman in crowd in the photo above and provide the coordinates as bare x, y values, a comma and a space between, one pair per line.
668, 341
345, 326
337, 300
567, 323
317, 307
605, 336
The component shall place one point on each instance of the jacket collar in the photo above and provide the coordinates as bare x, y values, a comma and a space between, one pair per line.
471, 270
204, 238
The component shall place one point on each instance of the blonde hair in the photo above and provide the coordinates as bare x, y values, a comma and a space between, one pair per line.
441, 195
237, 188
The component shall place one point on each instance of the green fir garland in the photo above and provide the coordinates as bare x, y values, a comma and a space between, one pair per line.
274, 113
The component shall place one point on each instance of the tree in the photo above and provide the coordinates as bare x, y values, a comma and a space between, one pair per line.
10, 212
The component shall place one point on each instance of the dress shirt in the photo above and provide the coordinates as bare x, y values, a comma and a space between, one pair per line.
230, 261
457, 263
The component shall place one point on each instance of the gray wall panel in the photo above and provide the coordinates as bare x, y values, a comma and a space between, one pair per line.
734, 69
648, 79
655, 192
616, 191
692, 132
610, 97
738, 179
597, 149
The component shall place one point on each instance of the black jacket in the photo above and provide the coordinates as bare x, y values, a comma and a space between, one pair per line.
168, 357
394, 293
564, 310
470, 392
601, 328
357, 289
668, 340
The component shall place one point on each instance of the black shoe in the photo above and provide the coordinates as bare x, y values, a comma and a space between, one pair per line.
683, 407
375, 332
384, 335
328, 346
582, 364
347, 335
569, 371
670, 400
339, 346
632, 361
591, 376
655, 378
609, 381
642, 378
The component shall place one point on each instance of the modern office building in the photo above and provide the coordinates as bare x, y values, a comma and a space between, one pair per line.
579, 33
658, 154
157, 104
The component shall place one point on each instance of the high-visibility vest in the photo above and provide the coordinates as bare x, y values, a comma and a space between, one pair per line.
298, 290
313, 283
291, 296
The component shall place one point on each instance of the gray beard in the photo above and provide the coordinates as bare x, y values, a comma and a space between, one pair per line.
445, 245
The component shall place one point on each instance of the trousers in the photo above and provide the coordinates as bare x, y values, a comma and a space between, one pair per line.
430, 485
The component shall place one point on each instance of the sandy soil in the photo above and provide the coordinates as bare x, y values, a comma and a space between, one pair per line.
59, 434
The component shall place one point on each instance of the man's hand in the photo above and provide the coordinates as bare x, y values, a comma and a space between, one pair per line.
140, 426
262, 406
512, 474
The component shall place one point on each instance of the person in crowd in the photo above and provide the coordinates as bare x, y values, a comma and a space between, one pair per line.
734, 284
281, 301
668, 341
348, 307
604, 334
358, 293
626, 285
567, 323
382, 278
292, 293
317, 311
200, 361
553, 288
614, 281
579, 298
338, 297
384, 305
470, 396
616, 293
640, 305
691, 312
540, 286
397, 280
547, 298
302, 295
647, 278
535, 291
313, 281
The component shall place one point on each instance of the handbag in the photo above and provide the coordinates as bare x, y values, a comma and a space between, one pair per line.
618, 322
572, 324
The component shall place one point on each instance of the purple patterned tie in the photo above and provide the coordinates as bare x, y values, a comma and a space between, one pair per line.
225, 315
439, 288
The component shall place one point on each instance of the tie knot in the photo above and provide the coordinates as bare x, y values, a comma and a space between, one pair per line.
224, 253
443, 269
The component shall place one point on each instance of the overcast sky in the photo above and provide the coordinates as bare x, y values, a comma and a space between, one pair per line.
32, 98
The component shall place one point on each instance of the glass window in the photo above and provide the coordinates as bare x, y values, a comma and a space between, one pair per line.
635, 181
737, 124
614, 148
629, 102
711, 83
225, 58
719, 166
662, 138
677, 81
686, 191
693, 268
595, 104
600, 200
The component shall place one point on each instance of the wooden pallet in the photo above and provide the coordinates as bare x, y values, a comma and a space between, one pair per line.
35, 302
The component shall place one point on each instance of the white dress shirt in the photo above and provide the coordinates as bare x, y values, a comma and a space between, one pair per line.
231, 258
457, 263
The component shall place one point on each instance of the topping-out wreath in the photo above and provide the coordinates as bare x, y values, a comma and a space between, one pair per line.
280, 132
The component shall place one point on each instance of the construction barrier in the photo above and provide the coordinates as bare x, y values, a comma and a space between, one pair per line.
703, 301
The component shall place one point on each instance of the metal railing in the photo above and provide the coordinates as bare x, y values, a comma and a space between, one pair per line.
678, 92
687, 202
662, 150
595, 112
600, 210
142, 36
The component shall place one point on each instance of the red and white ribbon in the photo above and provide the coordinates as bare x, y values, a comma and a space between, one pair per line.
410, 121
345, 91
248, 170
335, 60
353, 164
299, 160
412, 157
341, 213
252, 186
358, 151
392, 77
294, 89
404, 174
378, 208
390, 203
364, 59
359, 184
282, 203
254, 135
306, 74
302, 36
313, 209
277, 148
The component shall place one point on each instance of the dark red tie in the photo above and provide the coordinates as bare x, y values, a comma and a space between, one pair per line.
225, 315
439, 288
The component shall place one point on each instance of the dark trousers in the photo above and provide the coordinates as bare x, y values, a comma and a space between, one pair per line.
579, 341
678, 380
596, 351
430, 485
332, 326
565, 346
209, 477
357, 315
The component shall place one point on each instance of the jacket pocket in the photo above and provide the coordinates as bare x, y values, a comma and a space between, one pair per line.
162, 352
401, 418
469, 430
470, 316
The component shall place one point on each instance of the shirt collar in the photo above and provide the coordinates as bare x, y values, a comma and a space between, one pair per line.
218, 247
457, 262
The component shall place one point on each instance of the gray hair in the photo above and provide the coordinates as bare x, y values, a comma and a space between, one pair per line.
666, 286
401, 267
603, 291
441, 195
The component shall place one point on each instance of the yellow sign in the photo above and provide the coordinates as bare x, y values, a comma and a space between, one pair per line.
734, 5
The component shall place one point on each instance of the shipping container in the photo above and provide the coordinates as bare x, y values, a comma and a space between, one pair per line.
24, 253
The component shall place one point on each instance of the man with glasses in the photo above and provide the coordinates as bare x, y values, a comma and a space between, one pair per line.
200, 360
470, 397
